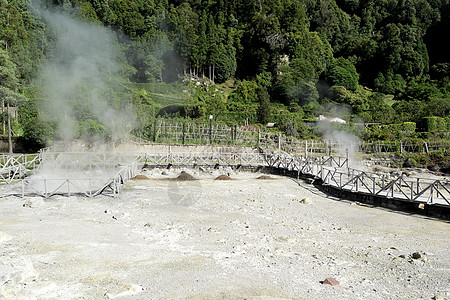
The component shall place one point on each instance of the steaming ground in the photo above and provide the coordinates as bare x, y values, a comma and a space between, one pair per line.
211, 239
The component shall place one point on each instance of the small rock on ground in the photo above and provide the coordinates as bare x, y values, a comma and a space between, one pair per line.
331, 281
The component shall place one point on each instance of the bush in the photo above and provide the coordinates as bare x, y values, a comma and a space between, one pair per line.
391, 131
435, 124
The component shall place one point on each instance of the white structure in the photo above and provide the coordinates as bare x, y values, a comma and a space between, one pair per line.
331, 119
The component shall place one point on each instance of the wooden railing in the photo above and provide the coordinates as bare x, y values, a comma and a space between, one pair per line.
332, 170
430, 191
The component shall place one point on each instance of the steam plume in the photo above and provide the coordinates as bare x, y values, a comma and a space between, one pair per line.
78, 76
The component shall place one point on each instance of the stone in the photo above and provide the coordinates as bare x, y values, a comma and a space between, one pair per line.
434, 168
408, 163
33, 202
124, 290
17, 271
416, 255
331, 281
438, 297
4, 237
304, 201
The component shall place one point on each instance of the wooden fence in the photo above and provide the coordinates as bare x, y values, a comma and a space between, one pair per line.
188, 132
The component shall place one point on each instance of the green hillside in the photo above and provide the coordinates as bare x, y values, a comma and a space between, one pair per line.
80, 68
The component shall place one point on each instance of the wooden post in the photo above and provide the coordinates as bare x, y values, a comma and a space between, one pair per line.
210, 130
154, 131
231, 133
346, 156
425, 146
306, 148
279, 142
165, 129
259, 137
184, 130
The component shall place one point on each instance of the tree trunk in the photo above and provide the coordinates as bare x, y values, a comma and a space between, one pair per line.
9, 132
210, 75
3, 119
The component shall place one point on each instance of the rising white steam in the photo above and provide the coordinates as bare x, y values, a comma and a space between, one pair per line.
342, 141
77, 80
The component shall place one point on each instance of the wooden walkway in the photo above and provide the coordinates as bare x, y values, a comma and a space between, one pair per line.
334, 171
81, 173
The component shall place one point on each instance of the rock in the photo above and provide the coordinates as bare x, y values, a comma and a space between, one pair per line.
164, 173
33, 202
408, 163
434, 168
125, 290
17, 271
438, 297
445, 168
331, 281
4, 237
304, 201
140, 177
416, 255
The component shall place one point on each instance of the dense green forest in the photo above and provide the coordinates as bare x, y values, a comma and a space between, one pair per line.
256, 61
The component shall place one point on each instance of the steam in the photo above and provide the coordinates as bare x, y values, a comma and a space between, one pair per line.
346, 143
77, 81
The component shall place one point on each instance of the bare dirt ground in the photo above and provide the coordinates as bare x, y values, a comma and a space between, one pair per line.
212, 239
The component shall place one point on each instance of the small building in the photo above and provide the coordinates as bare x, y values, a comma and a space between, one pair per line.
331, 119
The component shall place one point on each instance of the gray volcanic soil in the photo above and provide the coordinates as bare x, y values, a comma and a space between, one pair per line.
209, 239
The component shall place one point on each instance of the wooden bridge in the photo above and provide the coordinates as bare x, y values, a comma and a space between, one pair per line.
335, 172
82, 177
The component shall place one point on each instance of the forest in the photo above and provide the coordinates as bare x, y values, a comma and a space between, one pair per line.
378, 62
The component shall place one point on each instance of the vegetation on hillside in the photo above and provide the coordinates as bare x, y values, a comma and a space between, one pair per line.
281, 61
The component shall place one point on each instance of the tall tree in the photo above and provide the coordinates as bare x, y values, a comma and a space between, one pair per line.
9, 85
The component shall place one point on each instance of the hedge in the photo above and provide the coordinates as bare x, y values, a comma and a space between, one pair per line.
433, 124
